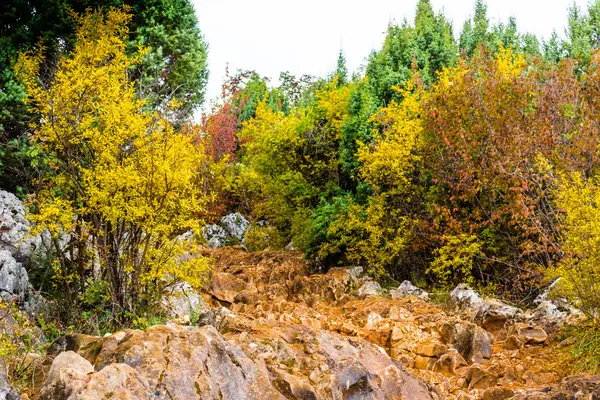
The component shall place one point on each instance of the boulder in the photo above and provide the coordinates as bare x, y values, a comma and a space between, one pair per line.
472, 342
521, 333
214, 235
68, 375
235, 225
465, 297
369, 288
177, 363
182, 302
116, 381
225, 287
14, 227
6, 392
492, 314
406, 288
13, 277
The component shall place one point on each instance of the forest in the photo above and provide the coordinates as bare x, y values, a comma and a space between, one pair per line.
458, 154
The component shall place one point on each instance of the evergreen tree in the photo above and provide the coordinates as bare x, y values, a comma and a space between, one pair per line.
341, 70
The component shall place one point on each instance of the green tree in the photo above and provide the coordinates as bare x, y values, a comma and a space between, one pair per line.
175, 68
425, 47
341, 71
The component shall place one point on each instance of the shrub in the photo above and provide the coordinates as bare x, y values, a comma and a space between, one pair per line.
122, 184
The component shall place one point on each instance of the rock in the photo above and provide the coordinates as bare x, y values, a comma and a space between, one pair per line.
572, 387
422, 362
492, 315
463, 296
6, 392
544, 296
450, 363
406, 288
225, 287
116, 381
215, 236
235, 225
14, 227
470, 340
177, 363
13, 277
369, 288
356, 273
182, 302
68, 375
532, 335
498, 394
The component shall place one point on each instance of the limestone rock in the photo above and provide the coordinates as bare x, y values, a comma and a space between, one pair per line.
116, 381
214, 235
225, 287
532, 335
471, 341
13, 225
406, 288
13, 277
463, 296
492, 315
68, 375
6, 392
181, 302
235, 225
369, 288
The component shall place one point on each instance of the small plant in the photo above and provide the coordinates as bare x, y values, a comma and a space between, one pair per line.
583, 350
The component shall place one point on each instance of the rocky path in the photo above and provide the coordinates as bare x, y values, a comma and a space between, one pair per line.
269, 329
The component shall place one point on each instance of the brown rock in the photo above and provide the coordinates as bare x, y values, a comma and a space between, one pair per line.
498, 394
470, 340
422, 362
226, 286
117, 381
68, 375
450, 363
532, 335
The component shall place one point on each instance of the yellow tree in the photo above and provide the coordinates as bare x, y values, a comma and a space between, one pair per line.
122, 184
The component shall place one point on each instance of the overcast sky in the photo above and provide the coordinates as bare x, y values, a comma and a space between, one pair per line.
304, 37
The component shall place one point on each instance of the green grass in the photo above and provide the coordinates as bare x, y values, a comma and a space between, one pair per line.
584, 351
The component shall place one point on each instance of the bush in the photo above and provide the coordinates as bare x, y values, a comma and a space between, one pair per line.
121, 183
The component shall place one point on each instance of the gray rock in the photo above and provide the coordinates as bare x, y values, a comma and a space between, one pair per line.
493, 314
356, 272
463, 296
406, 288
13, 277
546, 293
14, 227
182, 302
214, 235
369, 288
235, 225
6, 392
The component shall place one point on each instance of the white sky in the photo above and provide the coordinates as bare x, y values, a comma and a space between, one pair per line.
304, 37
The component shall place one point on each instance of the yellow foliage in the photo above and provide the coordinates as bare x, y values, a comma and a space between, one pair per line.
579, 269
394, 152
122, 180
373, 234
454, 260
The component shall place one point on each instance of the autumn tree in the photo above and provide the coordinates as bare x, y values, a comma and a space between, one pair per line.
122, 184
496, 131
175, 67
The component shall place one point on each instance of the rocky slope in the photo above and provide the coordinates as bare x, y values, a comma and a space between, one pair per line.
266, 328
